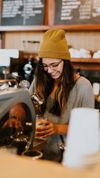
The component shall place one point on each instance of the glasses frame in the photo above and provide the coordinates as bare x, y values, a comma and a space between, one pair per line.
50, 65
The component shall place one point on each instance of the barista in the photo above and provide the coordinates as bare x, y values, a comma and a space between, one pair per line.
61, 89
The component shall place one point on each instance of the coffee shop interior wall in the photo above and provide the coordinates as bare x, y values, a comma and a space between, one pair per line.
89, 40
77, 39
78, 36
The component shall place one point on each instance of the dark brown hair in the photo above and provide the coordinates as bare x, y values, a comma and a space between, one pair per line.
45, 85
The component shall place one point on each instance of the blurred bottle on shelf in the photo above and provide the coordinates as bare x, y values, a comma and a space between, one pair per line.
78, 71
31, 51
0, 41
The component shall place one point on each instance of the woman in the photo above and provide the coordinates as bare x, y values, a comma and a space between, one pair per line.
61, 89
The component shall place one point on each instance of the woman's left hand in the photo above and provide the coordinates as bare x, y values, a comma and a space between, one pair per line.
47, 130
12, 122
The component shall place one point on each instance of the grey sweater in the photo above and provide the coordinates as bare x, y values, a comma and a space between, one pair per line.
80, 96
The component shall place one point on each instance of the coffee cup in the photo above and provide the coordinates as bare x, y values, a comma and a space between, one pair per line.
40, 118
34, 155
96, 88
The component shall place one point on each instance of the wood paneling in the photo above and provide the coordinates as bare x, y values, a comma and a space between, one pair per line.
0, 10
89, 40
46, 13
14, 40
51, 10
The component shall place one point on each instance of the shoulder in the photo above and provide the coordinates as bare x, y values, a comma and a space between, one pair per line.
83, 86
82, 82
84, 92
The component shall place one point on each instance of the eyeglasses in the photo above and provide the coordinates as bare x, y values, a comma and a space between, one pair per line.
52, 65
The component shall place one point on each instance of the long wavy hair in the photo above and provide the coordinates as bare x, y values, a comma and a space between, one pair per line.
45, 85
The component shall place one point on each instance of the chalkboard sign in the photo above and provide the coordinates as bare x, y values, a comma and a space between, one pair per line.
77, 12
23, 12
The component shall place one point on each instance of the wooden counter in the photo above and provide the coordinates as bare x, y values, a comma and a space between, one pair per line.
13, 166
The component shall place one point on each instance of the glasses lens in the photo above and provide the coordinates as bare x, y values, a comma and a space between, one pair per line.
56, 64
53, 65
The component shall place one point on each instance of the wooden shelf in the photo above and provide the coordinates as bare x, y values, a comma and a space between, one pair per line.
47, 27
25, 28
80, 27
86, 60
86, 64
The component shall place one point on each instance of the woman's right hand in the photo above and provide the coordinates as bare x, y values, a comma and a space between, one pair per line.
51, 129
47, 130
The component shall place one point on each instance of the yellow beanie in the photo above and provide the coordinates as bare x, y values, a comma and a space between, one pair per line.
54, 45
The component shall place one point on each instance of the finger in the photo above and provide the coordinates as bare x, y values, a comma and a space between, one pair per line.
46, 135
48, 131
10, 123
42, 128
5, 125
22, 128
19, 125
44, 132
16, 124
40, 132
45, 127
44, 122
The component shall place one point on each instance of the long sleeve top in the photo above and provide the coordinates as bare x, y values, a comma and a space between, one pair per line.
81, 95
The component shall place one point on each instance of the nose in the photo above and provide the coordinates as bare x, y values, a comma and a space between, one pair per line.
49, 69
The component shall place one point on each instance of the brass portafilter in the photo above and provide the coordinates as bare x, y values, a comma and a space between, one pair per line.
36, 99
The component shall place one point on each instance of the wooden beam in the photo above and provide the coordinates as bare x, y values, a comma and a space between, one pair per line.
25, 28
89, 27
81, 27
46, 13
0, 10
51, 11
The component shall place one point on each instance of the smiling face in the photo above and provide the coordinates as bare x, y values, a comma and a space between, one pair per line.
54, 67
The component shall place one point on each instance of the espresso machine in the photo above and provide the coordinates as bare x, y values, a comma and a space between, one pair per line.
30, 52
12, 93
23, 140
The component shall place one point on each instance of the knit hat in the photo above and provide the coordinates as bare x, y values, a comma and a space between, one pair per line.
54, 45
